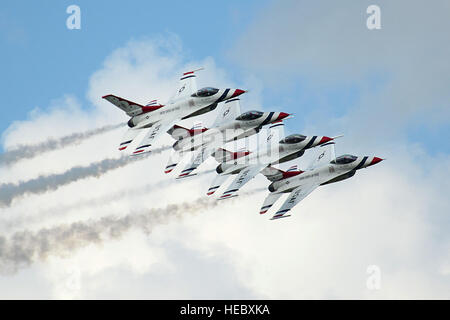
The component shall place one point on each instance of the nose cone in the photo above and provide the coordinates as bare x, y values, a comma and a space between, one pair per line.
176, 146
375, 160
237, 92
325, 140
282, 115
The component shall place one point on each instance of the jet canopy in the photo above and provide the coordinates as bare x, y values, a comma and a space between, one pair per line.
344, 159
250, 115
205, 92
293, 138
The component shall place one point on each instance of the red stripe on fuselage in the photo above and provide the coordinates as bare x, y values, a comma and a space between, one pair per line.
239, 154
288, 174
146, 109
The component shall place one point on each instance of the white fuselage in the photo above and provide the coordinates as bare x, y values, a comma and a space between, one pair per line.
234, 130
181, 108
322, 175
274, 153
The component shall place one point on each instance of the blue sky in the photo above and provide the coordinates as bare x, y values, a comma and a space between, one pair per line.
43, 60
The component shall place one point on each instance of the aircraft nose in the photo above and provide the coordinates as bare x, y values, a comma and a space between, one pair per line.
219, 169
325, 139
282, 115
176, 146
238, 92
375, 160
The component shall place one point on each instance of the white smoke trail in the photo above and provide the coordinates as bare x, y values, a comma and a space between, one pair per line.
30, 151
41, 184
25, 247
18, 222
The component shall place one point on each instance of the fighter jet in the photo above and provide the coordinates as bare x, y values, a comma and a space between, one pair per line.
158, 118
325, 169
229, 125
246, 165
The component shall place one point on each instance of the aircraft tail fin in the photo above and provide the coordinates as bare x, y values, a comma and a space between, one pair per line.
229, 111
327, 153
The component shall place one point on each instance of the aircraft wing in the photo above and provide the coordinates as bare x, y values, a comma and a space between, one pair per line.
199, 156
172, 162
217, 182
242, 178
128, 137
269, 201
230, 110
131, 108
297, 195
154, 132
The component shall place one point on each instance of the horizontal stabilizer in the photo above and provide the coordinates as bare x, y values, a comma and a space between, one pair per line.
222, 155
178, 132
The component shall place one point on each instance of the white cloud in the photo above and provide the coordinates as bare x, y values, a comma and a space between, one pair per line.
402, 70
385, 215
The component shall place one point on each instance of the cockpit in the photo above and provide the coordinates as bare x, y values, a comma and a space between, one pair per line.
205, 92
344, 159
293, 138
250, 115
